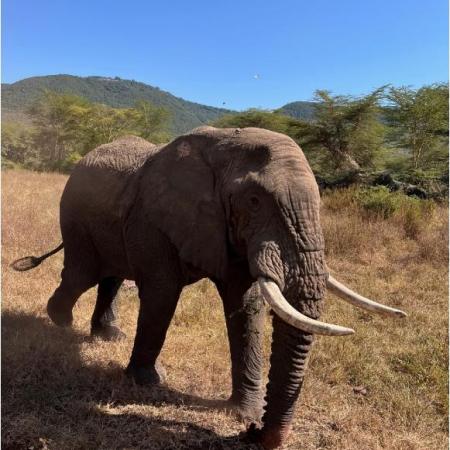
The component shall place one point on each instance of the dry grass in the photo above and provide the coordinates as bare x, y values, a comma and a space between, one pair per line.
62, 392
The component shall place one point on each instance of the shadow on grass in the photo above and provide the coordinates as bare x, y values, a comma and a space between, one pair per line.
53, 400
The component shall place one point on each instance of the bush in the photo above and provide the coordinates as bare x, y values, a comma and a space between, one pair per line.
378, 201
69, 162
337, 200
410, 212
7, 164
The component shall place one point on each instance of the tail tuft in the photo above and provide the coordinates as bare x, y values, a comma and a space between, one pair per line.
26, 263
30, 262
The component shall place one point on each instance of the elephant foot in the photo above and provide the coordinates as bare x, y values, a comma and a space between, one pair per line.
268, 437
60, 316
147, 376
247, 411
108, 333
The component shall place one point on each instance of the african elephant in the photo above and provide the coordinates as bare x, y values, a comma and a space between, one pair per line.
239, 206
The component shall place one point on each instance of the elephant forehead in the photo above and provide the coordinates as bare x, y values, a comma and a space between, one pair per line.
289, 178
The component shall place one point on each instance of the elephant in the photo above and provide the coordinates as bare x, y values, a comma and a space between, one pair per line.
237, 206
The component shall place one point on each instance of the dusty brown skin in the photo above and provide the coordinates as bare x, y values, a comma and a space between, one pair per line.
229, 204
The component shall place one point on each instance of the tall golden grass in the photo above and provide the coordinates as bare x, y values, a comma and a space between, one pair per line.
383, 388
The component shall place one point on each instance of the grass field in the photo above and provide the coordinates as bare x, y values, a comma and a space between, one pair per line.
383, 388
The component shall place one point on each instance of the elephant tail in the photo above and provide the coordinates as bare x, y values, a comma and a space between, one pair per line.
30, 262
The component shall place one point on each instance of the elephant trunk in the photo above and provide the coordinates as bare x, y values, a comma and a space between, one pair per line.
290, 348
301, 277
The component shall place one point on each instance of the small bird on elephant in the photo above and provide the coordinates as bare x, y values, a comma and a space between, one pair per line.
238, 206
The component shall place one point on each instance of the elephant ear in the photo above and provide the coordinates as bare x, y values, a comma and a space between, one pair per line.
179, 197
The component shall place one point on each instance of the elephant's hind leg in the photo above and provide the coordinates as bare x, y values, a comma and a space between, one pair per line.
73, 284
80, 273
104, 322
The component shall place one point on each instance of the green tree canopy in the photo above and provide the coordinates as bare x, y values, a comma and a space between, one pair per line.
256, 118
68, 126
55, 119
419, 122
17, 142
347, 128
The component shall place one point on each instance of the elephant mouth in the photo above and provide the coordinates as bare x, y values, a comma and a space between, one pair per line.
285, 311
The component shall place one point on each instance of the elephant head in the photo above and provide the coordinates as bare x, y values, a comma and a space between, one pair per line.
225, 194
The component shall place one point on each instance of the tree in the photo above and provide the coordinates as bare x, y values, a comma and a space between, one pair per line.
67, 126
256, 118
102, 124
55, 117
347, 128
16, 142
419, 122
152, 122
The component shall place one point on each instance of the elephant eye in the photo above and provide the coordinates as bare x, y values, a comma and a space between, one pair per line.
254, 203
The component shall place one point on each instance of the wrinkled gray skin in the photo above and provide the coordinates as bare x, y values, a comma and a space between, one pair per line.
232, 205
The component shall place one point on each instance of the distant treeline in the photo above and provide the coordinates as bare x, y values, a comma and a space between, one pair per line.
400, 130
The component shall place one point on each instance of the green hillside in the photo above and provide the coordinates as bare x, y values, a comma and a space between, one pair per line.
119, 93
299, 110
115, 92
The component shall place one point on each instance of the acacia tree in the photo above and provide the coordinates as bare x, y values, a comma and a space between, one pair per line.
55, 119
419, 120
256, 118
100, 124
347, 128
152, 121
67, 126
17, 140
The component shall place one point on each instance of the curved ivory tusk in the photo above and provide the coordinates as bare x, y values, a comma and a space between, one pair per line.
273, 296
358, 300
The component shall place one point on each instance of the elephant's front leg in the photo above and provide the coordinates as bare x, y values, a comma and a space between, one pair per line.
159, 279
158, 300
244, 314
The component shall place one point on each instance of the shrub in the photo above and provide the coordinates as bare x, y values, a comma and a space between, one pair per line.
337, 200
411, 213
69, 162
7, 164
378, 201
433, 244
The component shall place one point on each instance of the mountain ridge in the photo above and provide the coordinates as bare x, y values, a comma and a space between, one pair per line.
121, 93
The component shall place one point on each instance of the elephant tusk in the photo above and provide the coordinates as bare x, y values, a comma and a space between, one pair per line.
361, 302
285, 311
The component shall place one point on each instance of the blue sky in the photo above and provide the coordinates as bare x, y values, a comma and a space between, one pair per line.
244, 53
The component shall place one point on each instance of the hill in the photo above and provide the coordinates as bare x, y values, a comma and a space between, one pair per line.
299, 110
119, 93
115, 92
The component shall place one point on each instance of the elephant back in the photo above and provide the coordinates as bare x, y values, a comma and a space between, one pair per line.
125, 154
